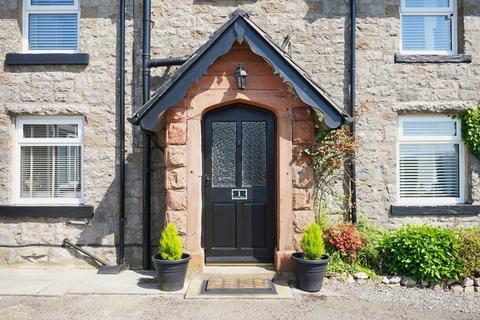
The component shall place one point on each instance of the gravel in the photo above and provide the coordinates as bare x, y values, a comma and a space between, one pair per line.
338, 300
418, 298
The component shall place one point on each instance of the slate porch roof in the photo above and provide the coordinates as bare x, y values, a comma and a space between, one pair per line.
239, 28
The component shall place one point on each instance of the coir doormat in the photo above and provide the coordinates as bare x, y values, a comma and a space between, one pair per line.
234, 286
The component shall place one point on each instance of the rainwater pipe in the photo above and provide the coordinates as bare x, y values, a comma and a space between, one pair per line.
121, 129
353, 185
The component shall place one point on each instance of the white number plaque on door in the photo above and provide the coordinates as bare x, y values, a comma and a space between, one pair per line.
239, 194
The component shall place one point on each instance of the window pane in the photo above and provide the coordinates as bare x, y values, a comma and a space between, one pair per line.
224, 147
37, 172
429, 170
52, 2
430, 128
254, 153
53, 31
426, 3
50, 172
50, 131
426, 33
67, 172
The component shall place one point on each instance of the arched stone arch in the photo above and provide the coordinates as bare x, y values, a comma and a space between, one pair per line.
184, 168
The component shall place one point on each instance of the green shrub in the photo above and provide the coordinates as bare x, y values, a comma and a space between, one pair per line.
342, 267
422, 252
170, 243
371, 254
471, 129
312, 244
345, 238
469, 251
338, 265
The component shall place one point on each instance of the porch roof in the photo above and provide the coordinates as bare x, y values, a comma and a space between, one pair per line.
239, 28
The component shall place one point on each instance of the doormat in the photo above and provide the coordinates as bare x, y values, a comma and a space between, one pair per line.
234, 286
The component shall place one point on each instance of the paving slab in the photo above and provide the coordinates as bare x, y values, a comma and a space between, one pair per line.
59, 282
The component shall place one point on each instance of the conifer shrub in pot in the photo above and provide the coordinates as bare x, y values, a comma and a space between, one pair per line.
311, 263
171, 263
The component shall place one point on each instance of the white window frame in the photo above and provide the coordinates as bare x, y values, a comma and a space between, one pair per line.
432, 140
20, 141
450, 11
29, 9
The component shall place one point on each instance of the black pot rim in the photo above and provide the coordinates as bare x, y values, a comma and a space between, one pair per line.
298, 257
157, 258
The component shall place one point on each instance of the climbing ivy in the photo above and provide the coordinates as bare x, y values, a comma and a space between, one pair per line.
471, 129
332, 151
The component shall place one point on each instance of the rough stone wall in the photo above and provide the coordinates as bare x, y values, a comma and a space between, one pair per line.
390, 89
303, 178
318, 31
87, 91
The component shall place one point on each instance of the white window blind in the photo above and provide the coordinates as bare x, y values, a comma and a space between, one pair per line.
50, 160
52, 25
430, 159
428, 26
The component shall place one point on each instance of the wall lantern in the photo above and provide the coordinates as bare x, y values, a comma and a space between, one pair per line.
241, 77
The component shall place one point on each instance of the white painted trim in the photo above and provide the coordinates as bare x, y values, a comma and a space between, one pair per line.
20, 141
28, 5
28, 8
429, 118
451, 9
431, 140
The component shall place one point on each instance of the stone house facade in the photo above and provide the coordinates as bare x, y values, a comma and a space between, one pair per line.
77, 96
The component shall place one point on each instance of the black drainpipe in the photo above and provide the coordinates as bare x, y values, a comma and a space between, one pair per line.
353, 9
146, 137
121, 125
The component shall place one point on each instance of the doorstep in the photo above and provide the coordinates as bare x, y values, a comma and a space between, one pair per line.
196, 290
233, 271
238, 274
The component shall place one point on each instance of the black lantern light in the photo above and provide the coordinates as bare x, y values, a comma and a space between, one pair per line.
241, 77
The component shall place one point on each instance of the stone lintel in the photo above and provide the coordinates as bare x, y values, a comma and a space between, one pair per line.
432, 106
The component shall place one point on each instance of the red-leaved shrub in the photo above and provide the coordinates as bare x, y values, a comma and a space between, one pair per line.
346, 239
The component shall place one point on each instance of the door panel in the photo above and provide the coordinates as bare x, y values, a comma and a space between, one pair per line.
254, 225
224, 225
239, 185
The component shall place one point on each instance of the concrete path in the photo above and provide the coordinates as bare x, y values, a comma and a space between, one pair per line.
58, 282
83, 294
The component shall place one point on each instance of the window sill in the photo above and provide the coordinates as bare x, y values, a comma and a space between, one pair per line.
432, 58
46, 59
80, 211
440, 210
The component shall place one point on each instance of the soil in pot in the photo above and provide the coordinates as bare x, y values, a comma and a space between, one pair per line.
171, 273
309, 273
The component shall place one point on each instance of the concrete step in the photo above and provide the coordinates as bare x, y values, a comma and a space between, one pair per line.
234, 271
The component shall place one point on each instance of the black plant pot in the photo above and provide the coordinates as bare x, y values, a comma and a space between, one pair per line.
309, 273
171, 273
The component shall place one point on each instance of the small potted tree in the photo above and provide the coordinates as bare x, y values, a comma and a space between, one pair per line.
311, 263
170, 263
